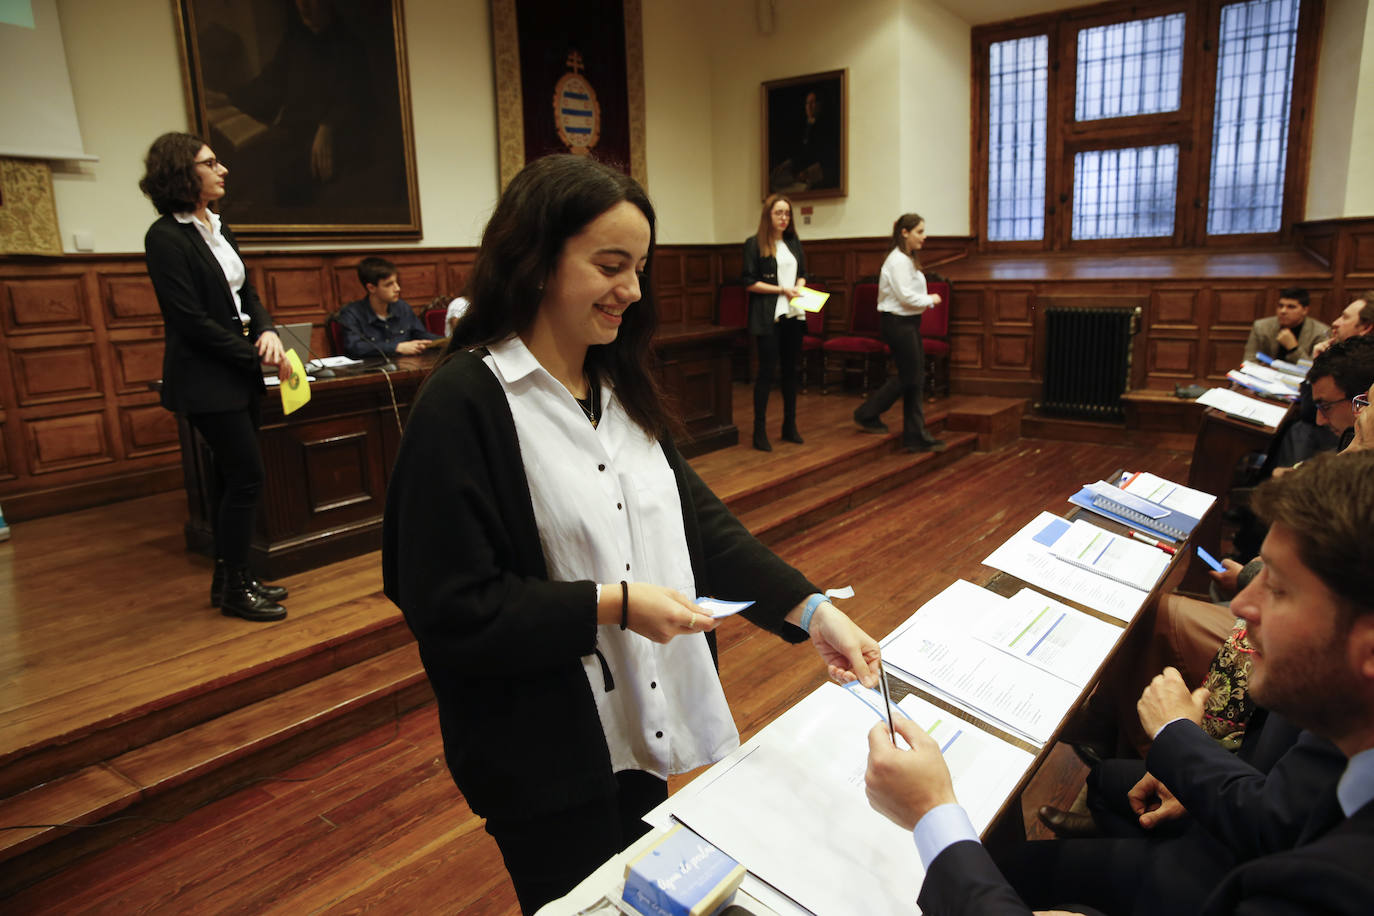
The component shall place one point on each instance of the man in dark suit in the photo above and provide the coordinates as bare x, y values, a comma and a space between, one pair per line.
1311, 621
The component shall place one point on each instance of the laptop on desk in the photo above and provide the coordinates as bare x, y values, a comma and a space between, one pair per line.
293, 337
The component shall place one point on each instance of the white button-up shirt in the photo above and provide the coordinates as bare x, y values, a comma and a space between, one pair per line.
901, 287
228, 258
608, 509
787, 276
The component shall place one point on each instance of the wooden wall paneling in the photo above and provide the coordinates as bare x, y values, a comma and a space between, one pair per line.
128, 299
836, 311
147, 429
827, 263
1013, 307
966, 350
136, 359
457, 273
6, 465
1361, 256
700, 305
295, 289
1237, 307
1320, 244
1169, 361
323, 473
421, 281
668, 269
61, 443
671, 307
1175, 308
698, 268
44, 302
55, 368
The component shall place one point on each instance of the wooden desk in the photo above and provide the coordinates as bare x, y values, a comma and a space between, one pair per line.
1222, 441
329, 462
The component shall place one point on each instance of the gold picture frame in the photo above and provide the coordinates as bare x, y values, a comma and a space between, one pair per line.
310, 110
511, 108
806, 136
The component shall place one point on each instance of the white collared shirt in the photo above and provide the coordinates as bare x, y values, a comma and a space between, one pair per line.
787, 276
608, 509
901, 287
228, 258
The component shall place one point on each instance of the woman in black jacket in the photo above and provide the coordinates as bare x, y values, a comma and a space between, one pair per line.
548, 544
775, 269
216, 336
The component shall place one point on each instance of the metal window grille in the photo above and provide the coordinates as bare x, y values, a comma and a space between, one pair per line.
1130, 68
1255, 54
1018, 73
1125, 193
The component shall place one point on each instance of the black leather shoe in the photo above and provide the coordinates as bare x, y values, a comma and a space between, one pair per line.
870, 426
761, 441
1066, 824
242, 601
270, 592
790, 434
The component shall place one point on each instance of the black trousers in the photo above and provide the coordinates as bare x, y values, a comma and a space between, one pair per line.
233, 440
902, 333
547, 856
783, 346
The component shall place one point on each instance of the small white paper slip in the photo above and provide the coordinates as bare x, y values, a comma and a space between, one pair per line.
718, 608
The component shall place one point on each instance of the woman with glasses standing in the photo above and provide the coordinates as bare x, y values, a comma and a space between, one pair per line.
775, 269
902, 298
217, 335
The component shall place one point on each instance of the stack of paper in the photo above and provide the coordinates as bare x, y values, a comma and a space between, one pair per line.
1089, 547
1029, 556
1235, 404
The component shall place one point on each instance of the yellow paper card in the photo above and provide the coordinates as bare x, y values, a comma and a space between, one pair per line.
295, 391
813, 300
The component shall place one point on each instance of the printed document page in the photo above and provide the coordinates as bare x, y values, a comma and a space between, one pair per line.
790, 805
1027, 555
1087, 546
1173, 496
1052, 636
1238, 405
995, 685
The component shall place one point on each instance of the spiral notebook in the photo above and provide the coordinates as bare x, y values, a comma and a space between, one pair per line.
1150, 517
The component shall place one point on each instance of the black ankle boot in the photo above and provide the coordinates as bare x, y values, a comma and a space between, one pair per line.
241, 600
270, 592
789, 432
761, 437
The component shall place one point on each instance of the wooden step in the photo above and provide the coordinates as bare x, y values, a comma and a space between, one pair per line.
166, 778
884, 468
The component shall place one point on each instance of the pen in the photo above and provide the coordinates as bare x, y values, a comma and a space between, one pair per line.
1152, 542
887, 703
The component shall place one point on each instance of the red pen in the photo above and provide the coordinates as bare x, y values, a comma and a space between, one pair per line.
1152, 542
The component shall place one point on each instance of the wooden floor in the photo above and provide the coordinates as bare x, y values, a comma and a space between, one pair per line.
99, 606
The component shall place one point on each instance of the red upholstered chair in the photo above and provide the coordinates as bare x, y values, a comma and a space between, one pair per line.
861, 345
434, 320
732, 311
935, 340
335, 332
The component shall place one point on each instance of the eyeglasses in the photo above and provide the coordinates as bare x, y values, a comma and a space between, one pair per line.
1358, 403
212, 163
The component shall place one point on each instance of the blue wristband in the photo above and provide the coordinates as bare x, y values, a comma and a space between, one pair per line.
812, 603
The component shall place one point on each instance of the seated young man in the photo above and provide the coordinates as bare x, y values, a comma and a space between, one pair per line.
381, 323
1288, 334
1310, 614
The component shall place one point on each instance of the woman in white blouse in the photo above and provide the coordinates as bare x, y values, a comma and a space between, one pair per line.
775, 269
902, 298
547, 542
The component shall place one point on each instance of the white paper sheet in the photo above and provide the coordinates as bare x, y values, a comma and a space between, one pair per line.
1170, 495
1052, 636
1238, 405
790, 804
1031, 560
1097, 550
1016, 695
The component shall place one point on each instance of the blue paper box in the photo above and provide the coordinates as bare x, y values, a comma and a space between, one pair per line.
681, 875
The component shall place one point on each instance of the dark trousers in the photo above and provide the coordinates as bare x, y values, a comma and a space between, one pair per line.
902, 333
233, 440
783, 346
547, 856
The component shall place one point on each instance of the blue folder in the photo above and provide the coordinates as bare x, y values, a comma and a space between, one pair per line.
1170, 524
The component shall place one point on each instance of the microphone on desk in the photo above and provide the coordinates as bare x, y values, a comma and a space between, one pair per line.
322, 371
388, 365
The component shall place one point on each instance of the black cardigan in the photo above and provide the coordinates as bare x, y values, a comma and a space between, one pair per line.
208, 365
502, 644
765, 269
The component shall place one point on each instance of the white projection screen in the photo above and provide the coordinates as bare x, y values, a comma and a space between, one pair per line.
37, 114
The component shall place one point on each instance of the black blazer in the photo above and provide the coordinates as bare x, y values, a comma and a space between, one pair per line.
765, 269
208, 365
501, 643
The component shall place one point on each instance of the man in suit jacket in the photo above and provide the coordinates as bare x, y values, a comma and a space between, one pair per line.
1289, 334
1311, 621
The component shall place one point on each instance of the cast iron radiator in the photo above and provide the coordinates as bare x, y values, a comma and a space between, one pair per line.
1088, 361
